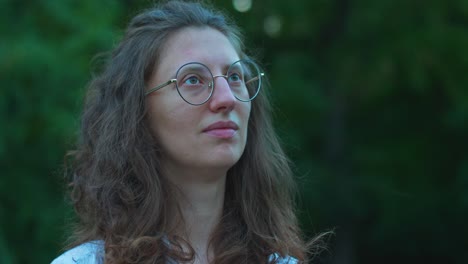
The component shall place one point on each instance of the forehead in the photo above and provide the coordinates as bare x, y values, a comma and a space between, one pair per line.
197, 44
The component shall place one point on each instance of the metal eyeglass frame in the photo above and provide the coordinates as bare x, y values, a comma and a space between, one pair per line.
258, 77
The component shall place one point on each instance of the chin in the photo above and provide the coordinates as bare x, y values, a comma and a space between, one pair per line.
225, 162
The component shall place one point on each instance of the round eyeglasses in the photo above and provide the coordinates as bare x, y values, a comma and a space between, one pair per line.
195, 82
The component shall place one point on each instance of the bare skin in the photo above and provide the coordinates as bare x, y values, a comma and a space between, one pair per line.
195, 161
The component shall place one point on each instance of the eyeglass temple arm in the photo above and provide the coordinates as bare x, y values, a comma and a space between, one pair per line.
160, 86
255, 78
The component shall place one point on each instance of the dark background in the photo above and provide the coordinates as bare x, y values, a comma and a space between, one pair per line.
371, 103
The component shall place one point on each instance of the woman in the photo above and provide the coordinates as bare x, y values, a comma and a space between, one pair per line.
178, 161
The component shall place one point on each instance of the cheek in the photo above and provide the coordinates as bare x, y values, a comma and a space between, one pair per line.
162, 113
245, 118
166, 124
245, 114
172, 124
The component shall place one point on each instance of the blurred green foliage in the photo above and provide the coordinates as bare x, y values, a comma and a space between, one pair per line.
371, 101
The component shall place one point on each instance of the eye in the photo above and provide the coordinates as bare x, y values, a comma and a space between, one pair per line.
192, 80
235, 78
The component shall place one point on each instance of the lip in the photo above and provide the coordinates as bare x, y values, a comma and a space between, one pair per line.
222, 129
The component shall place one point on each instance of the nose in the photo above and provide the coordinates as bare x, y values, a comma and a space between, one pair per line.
222, 99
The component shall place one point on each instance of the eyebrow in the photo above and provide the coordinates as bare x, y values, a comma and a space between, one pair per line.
196, 65
224, 68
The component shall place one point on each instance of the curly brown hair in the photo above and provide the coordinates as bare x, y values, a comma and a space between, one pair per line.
117, 190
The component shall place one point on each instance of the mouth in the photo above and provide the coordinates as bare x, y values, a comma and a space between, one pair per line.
222, 129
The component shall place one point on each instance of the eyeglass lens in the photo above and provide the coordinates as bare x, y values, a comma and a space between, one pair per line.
195, 81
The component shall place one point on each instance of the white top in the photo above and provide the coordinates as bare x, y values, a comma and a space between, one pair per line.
93, 253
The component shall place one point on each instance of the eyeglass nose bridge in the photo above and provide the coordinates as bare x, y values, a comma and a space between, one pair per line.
216, 76
225, 76
211, 84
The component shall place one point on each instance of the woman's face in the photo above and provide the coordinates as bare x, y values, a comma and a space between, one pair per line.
204, 137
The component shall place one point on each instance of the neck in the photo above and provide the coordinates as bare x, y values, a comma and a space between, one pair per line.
201, 199
201, 208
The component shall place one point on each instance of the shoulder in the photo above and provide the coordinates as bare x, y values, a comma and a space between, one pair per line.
277, 259
93, 253
88, 253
